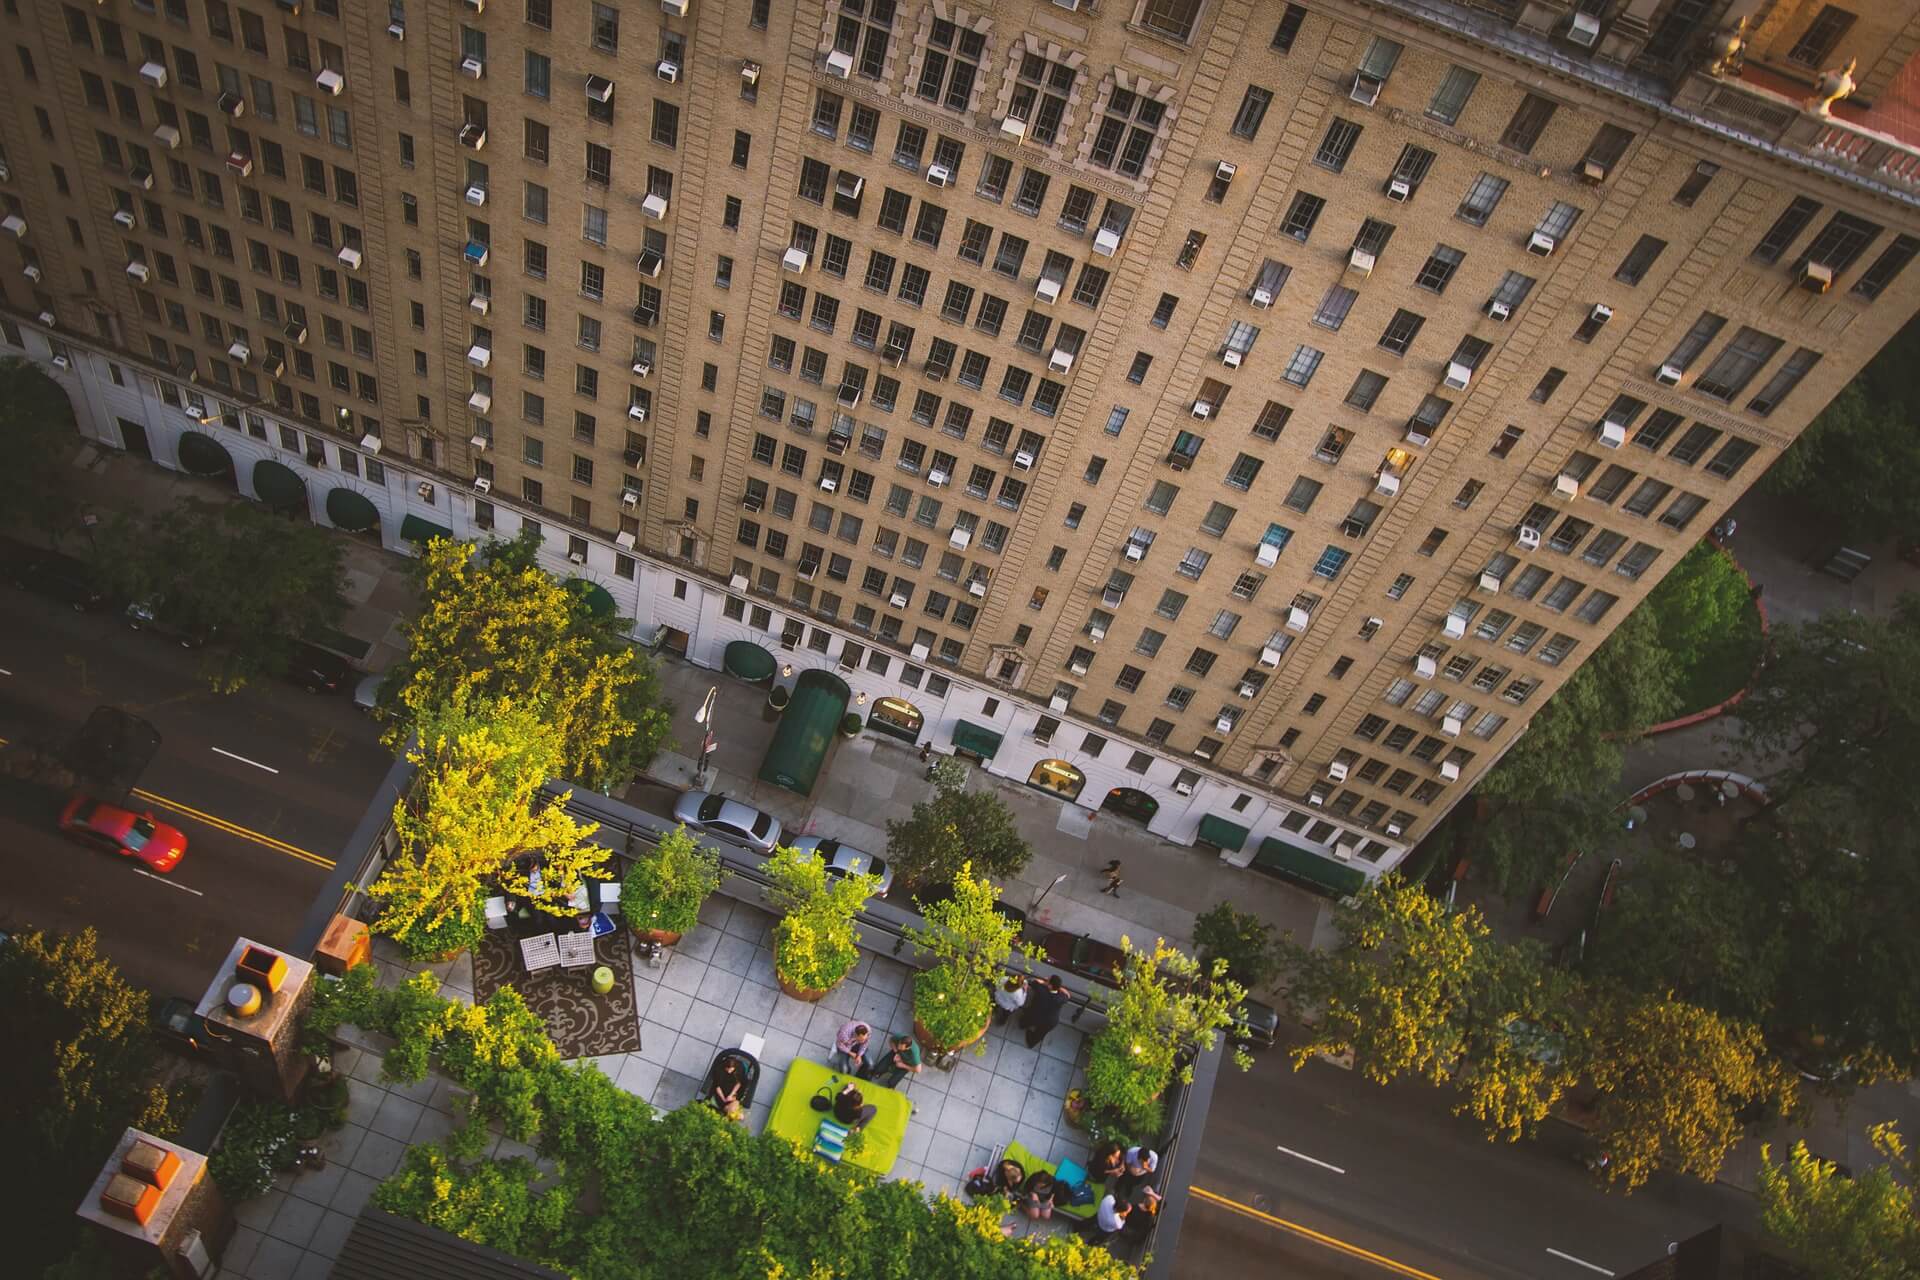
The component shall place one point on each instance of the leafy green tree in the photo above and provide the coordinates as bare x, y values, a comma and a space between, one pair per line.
1861, 1227
951, 830
1555, 790
666, 886
969, 941
815, 942
83, 1067
1248, 945
497, 624
1168, 1009
36, 422
1708, 626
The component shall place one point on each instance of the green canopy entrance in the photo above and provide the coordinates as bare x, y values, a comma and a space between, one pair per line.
1308, 869
599, 600
974, 740
414, 529
279, 486
1221, 834
806, 731
202, 455
748, 661
351, 511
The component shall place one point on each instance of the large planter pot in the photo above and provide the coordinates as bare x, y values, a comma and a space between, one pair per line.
808, 994
1074, 1109
665, 937
933, 1046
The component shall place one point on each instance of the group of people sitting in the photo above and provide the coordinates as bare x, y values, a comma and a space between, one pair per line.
900, 1059
1126, 1210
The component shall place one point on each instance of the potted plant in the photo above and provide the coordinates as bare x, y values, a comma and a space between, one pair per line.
662, 893
778, 697
1165, 1005
850, 725
815, 944
970, 941
428, 939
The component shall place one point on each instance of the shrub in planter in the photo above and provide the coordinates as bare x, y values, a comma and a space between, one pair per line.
453, 933
850, 725
815, 943
1166, 1009
663, 890
969, 941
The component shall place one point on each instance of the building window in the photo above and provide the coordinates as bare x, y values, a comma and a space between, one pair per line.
1301, 215
1642, 256
1822, 34
1529, 122
1737, 364
863, 31
1040, 96
1336, 147
1289, 29
1128, 125
1785, 229
1796, 367
1173, 19
1482, 198
1450, 99
950, 65
1253, 111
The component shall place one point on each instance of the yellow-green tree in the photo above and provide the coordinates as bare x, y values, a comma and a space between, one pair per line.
1169, 1009
1844, 1228
1672, 1078
495, 624
474, 807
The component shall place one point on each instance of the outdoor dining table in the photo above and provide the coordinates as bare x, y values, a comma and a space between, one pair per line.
575, 950
541, 951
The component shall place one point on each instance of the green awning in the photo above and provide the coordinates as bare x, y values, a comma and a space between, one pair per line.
971, 738
202, 455
599, 600
806, 731
279, 486
1308, 869
351, 511
414, 529
747, 660
1221, 834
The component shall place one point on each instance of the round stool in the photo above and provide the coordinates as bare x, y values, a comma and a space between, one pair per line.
602, 980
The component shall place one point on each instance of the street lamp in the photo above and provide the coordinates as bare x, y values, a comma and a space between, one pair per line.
1042, 895
704, 716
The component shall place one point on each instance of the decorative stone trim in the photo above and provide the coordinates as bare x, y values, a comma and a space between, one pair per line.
967, 20
1120, 78
830, 20
1660, 396
1010, 81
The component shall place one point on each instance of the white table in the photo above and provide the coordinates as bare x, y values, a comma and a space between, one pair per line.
539, 952
576, 950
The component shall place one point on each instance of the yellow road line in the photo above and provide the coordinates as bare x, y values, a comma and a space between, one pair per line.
1308, 1233
234, 829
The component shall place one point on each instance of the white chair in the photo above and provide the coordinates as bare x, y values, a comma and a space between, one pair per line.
610, 899
496, 913
576, 950
579, 900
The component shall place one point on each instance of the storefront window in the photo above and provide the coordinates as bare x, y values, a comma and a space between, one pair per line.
896, 717
1058, 777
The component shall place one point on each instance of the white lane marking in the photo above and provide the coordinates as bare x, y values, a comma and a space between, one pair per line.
196, 893
1579, 1262
243, 760
1309, 1159
5, 672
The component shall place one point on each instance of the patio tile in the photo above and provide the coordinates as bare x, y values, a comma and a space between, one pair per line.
683, 973
957, 1120
692, 1057
716, 911
353, 1193
240, 1250
906, 1172
698, 945
876, 1009
367, 1067
1033, 1139
926, 1112
889, 975
995, 1130
841, 999
446, 1095
738, 1027
258, 1212
756, 1000
1017, 1062
919, 1137
736, 955
639, 1076
1005, 1097
670, 1009
643, 994
749, 922
313, 1266
420, 1091
434, 1127
656, 1042
513, 1149
790, 1015
1053, 1076
1069, 1146
675, 1090
822, 1026
1041, 1111
396, 1117
988, 1057
949, 1158
969, 1084
718, 986
363, 1099
296, 1221
933, 1080
378, 1156
344, 1059
771, 1082
274, 1260
782, 1048
340, 1145
705, 1021
1063, 1044
858, 977
317, 1186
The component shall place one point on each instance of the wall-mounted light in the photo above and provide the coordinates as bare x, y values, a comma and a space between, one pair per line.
860, 699
787, 670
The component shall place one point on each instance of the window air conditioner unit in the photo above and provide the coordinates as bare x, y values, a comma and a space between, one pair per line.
480, 303
231, 104
31, 271
638, 412
1078, 668
397, 30
1231, 358
240, 164
124, 218
920, 651
48, 319
330, 82
642, 369
472, 68
1386, 482
16, 224
61, 362
1527, 538
1023, 460
1060, 361
575, 557
1540, 244
349, 257
1135, 551
476, 195
1266, 554
1248, 689
1269, 656
1399, 189
1344, 850
1450, 771
1316, 799
1362, 261
599, 89
1450, 726
1393, 828
937, 478
1612, 434
1565, 486
1112, 597
849, 185
667, 70
1260, 298
479, 444
478, 6
195, 409
1014, 130
480, 402
1224, 171
1046, 289
296, 332
1458, 375
370, 443
977, 587
1585, 30
675, 8
238, 351
649, 264
1337, 771
1106, 242
1592, 172
1454, 627
839, 64
1056, 703
1183, 788
478, 356
482, 485
1424, 666
1668, 375
625, 541
654, 207
738, 582
1202, 409
1297, 618
142, 177
1223, 725
960, 538
1601, 313
1498, 310
829, 484
167, 136
1366, 89
1816, 278
750, 72
794, 260
939, 175
138, 270
1490, 581
154, 73
473, 136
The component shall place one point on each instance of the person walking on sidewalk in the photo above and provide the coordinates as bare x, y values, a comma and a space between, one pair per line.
1112, 872
1042, 1013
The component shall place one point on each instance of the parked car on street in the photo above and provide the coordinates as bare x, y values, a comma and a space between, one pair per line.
366, 694
1255, 1024
940, 893
131, 835
317, 670
54, 574
845, 860
728, 819
156, 616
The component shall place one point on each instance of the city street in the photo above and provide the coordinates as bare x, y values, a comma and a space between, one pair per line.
1390, 1172
265, 784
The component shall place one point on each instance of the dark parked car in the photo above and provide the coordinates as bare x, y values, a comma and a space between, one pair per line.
317, 670
1256, 1024
180, 1028
940, 893
157, 617
50, 573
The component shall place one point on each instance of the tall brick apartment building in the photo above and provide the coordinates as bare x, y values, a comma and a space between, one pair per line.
1239, 415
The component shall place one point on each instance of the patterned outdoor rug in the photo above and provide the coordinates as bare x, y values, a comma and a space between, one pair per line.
581, 1023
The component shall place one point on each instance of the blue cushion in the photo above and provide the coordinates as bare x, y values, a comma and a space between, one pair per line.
1070, 1172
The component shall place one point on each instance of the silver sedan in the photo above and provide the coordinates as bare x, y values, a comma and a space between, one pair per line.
728, 819
845, 860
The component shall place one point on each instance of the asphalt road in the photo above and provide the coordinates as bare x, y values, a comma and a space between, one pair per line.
266, 783
1390, 1171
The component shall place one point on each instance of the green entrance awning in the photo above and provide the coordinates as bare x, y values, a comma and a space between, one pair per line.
279, 486
1222, 834
806, 731
971, 738
1308, 869
599, 600
414, 529
203, 455
351, 511
747, 660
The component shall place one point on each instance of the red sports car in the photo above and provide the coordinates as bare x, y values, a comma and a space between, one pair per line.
116, 830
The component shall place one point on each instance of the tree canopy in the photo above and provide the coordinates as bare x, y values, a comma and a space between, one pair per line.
36, 421
493, 622
1248, 944
950, 830
1840, 1227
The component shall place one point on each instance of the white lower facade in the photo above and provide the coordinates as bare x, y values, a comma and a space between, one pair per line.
124, 406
